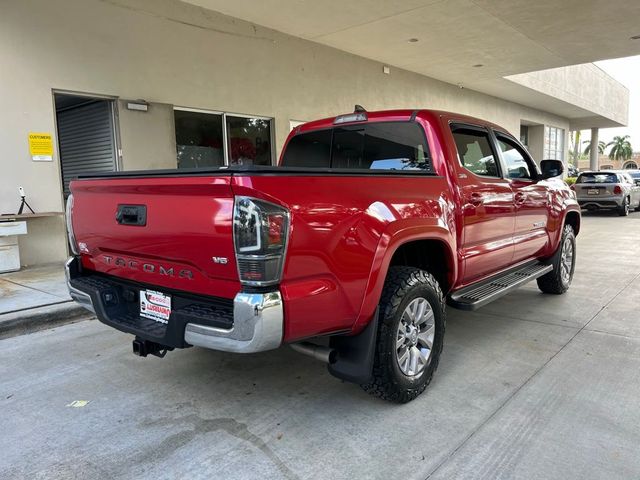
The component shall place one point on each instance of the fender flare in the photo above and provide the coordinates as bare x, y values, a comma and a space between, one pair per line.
572, 209
557, 234
395, 236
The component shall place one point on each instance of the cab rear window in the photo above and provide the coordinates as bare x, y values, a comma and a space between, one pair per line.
395, 146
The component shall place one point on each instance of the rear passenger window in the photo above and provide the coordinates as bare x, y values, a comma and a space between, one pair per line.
475, 152
373, 146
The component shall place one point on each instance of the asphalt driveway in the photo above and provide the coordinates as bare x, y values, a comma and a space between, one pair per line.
532, 386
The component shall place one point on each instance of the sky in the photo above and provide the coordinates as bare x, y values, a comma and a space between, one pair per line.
626, 71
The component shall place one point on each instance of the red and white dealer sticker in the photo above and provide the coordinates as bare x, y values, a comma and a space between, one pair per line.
155, 305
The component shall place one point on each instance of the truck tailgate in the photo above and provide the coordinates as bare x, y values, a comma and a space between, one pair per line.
188, 222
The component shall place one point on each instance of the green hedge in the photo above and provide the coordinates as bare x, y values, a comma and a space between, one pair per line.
570, 180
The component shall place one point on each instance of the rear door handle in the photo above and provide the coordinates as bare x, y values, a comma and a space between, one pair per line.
520, 198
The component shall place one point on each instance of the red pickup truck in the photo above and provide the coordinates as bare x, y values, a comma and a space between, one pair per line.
347, 251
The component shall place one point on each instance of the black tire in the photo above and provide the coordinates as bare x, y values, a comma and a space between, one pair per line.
403, 286
623, 210
554, 281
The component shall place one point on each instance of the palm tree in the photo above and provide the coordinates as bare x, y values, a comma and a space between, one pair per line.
601, 147
620, 148
575, 153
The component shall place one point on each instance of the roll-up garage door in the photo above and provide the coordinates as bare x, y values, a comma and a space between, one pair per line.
86, 140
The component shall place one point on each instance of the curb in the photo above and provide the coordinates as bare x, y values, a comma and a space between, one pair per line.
40, 318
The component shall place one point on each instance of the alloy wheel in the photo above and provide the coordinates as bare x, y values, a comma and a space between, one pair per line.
566, 260
414, 339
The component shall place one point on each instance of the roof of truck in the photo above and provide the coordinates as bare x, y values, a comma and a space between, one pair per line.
395, 115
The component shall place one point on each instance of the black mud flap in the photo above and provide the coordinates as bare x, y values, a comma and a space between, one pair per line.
354, 362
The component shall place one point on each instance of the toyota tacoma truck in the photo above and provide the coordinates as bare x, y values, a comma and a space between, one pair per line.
348, 250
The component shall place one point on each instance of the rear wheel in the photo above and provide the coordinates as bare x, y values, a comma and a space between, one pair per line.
557, 281
410, 335
624, 209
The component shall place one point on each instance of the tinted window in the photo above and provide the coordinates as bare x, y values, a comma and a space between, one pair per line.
597, 178
395, 146
475, 152
249, 140
309, 150
199, 139
375, 146
348, 148
517, 166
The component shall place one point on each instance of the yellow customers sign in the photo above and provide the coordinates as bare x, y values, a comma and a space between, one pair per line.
41, 147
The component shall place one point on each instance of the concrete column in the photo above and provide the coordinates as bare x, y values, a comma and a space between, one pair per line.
593, 153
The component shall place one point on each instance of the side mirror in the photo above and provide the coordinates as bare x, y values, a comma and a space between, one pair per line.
551, 168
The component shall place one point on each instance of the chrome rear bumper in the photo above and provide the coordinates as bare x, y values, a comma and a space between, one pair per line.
258, 318
257, 326
84, 299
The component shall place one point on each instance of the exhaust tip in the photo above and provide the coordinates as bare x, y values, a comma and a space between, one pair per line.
319, 352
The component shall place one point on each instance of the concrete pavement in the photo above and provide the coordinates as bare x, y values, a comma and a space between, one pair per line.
35, 298
532, 386
33, 287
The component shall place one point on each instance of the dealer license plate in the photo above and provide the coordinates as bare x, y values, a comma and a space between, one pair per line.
155, 305
593, 191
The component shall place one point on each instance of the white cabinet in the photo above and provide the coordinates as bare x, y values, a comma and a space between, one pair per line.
9, 250
12, 228
9, 258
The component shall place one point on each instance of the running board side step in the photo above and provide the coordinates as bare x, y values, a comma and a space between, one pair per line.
478, 294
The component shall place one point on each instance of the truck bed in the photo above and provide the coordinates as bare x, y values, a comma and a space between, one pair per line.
338, 219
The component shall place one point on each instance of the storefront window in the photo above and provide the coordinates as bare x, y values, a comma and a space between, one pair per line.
524, 135
201, 135
553, 143
199, 140
249, 140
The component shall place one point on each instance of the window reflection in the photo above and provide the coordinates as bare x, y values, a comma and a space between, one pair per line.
249, 140
200, 139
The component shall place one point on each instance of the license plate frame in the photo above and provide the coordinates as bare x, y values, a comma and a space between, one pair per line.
155, 305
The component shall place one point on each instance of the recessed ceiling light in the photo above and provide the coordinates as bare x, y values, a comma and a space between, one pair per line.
412, 40
635, 37
478, 65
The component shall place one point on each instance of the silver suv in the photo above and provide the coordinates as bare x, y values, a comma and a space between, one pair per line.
607, 190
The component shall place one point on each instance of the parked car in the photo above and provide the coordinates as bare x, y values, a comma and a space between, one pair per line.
607, 189
634, 174
370, 224
572, 170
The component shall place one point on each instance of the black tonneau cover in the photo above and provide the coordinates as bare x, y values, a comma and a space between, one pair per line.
253, 170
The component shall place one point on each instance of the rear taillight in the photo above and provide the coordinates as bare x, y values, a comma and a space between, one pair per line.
572, 187
260, 231
617, 190
72, 238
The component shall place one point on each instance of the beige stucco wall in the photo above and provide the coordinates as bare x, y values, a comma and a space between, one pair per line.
148, 138
170, 53
586, 86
